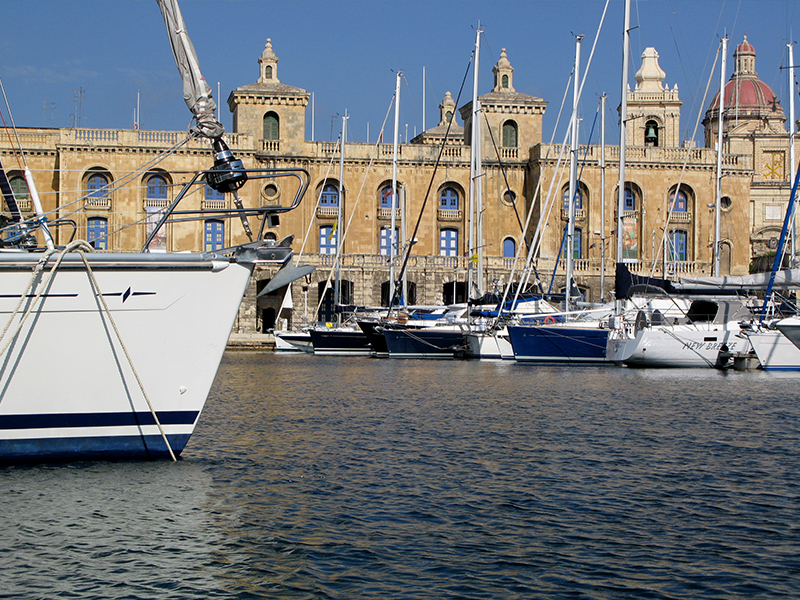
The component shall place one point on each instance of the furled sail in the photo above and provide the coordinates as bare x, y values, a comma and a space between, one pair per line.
196, 91
788, 279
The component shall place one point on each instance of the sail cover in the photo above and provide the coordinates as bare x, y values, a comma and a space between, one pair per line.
196, 91
787, 279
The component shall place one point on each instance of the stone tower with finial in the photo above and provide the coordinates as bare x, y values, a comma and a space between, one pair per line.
274, 113
654, 111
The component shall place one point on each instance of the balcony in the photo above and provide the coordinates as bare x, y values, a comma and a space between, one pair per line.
580, 214
328, 212
386, 213
214, 204
681, 216
98, 203
270, 145
448, 214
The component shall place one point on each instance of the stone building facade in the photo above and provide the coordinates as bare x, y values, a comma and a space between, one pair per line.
91, 182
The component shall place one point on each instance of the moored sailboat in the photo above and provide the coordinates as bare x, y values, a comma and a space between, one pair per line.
112, 355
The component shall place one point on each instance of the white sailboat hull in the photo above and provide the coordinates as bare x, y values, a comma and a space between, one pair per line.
775, 351
67, 388
676, 346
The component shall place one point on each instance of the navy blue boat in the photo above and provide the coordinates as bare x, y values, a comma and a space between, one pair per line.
559, 343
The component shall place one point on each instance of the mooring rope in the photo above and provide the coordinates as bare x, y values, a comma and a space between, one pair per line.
79, 246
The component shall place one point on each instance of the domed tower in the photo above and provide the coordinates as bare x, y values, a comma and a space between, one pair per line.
750, 106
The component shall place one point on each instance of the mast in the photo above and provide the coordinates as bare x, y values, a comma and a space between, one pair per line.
337, 291
793, 224
392, 234
623, 117
573, 175
717, 206
475, 283
603, 196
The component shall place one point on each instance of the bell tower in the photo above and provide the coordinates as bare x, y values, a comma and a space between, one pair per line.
654, 111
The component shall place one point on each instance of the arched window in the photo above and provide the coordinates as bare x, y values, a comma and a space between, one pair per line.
448, 242
97, 186
651, 133
679, 202
505, 81
448, 199
678, 245
509, 248
272, 129
386, 241
270, 236
268, 72
578, 197
386, 196
20, 187
330, 195
629, 203
215, 235
97, 232
212, 194
509, 134
448, 116
157, 187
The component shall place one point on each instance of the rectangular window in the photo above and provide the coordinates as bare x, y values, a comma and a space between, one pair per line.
448, 242
678, 245
215, 235
327, 239
159, 242
577, 243
97, 233
386, 240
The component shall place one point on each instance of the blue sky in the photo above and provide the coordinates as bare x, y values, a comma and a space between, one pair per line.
347, 53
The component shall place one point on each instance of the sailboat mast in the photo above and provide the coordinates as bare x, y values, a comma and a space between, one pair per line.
623, 118
793, 223
473, 282
573, 175
603, 196
393, 233
337, 293
717, 203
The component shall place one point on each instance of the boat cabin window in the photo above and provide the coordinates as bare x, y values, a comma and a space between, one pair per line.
702, 311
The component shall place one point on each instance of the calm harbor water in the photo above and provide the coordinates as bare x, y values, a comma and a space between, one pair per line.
356, 478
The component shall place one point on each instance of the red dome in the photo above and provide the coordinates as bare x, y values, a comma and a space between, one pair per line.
748, 92
745, 93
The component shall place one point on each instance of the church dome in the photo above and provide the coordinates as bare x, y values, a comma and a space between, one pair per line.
745, 93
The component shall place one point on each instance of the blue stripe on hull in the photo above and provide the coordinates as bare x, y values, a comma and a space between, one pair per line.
55, 420
89, 448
